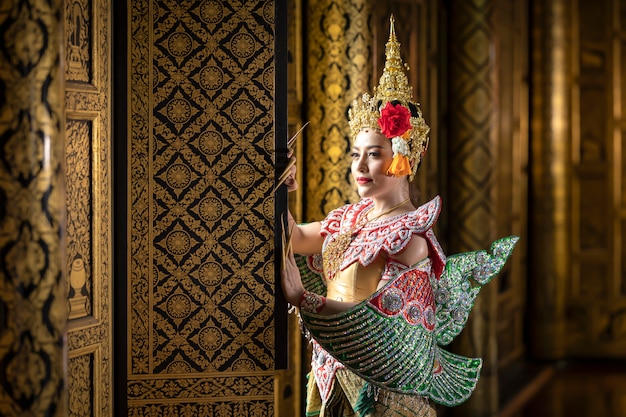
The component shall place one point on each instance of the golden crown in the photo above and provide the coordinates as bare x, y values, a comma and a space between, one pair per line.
386, 109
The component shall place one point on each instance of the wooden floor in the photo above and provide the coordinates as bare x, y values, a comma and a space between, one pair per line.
572, 390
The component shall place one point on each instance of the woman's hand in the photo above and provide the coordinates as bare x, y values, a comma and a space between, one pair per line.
290, 182
291, 281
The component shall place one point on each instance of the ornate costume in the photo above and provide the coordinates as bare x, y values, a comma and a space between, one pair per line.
384, 356
388, 347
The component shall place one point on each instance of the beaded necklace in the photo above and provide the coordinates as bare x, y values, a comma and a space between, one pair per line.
336, 248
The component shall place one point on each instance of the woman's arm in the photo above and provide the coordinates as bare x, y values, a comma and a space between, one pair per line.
306, 239
414, 252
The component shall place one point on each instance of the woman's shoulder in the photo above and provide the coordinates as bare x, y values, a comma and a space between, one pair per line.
426, 215
419, 220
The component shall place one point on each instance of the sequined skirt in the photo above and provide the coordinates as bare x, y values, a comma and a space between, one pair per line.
349, 398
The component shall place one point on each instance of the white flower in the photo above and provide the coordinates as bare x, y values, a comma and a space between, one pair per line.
399, 145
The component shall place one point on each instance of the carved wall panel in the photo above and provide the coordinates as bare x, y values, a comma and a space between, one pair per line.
80, 33
201, 209
79, 230
596, 301
471, 173
85, 385
88, 254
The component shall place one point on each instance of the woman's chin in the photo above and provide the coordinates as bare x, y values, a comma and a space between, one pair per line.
363, 193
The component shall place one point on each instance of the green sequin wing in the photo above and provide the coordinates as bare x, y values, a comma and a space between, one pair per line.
386, 351
456, 290
311, 273
454, 378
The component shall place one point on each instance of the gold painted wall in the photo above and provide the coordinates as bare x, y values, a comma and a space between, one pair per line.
201, 209
88, 236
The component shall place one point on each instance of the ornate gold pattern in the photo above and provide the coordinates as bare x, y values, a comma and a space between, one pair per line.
234, 406
201, 388
32, 276
201, 276
338, 71
79, 37
80, 394
471, 144
78, 196
88, 243
203, 396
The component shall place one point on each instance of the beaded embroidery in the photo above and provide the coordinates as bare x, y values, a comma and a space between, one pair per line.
324, 368
421, 309
367, 241
311, 302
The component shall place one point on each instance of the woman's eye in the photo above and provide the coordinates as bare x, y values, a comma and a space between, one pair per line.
354, 155
374, 154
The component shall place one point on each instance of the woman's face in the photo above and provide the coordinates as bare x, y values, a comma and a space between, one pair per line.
371, 156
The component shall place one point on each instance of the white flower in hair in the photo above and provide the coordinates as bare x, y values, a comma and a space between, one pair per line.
399, 146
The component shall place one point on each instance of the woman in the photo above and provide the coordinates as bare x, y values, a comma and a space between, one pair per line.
383, 301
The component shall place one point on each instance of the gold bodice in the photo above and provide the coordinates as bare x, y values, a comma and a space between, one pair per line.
356, 282
352, 272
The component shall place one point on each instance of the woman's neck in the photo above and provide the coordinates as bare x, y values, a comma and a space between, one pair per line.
384, 207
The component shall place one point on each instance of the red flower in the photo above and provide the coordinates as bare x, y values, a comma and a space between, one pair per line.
395, 119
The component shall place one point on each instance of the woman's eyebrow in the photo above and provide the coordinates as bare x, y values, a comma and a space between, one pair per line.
367, 147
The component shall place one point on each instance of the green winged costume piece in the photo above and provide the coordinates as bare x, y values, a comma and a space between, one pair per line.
395, 339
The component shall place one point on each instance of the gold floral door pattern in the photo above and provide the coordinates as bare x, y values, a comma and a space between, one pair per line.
201, 209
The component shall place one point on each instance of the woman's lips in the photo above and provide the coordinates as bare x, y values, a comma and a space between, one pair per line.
363, 180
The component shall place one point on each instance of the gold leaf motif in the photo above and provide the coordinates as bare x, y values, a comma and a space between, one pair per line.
211, 11
179, 44
242, 45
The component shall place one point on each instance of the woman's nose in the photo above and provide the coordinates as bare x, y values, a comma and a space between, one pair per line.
361, 165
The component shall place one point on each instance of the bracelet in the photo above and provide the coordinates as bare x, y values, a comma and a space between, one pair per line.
312, 302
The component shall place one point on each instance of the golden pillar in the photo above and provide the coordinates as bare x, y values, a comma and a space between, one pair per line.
338, 52
32, 205
472, 150
550, 147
